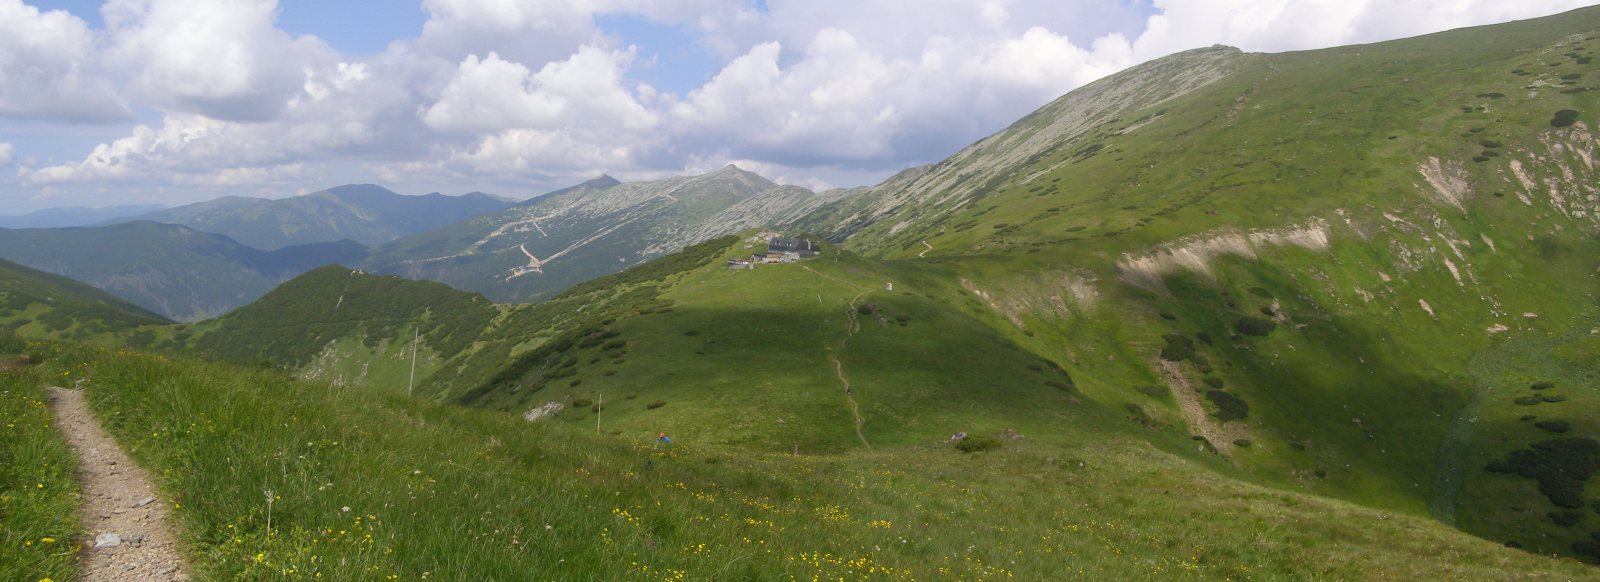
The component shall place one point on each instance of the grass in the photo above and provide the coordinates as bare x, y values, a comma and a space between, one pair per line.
39, 528
379, 486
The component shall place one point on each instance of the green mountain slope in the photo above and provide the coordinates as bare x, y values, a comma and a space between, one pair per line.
172, 270
1377, 250
74, 216
364, 213
34, 303
540, 247
349, 328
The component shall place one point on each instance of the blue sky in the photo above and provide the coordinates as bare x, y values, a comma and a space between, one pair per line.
176, 101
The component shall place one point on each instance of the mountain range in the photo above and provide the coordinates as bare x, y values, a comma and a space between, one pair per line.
365, 213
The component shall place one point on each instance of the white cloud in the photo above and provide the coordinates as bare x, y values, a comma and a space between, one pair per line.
48, 69
534, 94
6, 152
222, 59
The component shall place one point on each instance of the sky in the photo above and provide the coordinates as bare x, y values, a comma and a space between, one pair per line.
178, 101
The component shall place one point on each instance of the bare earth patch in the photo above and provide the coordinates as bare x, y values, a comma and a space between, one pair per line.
131, 537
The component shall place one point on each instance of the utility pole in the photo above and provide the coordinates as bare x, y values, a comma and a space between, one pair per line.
415, 334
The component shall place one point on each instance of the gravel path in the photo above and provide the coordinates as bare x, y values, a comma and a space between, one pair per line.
131, 538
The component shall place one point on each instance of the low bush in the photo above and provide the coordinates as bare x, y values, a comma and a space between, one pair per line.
582, 403
1178, 348
655, 405
1565, 518
1563, 118
1553, 398
1528, 400
978, 442
1560, 466
1229, 406
1555, 426
1255, 326
1489, 144
1213, 382
1242, 443
1542, 385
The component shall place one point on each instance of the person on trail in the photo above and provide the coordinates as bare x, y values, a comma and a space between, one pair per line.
664, 441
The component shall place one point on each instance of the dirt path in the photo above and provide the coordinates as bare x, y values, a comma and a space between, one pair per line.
119, 500
851, 326
925, 251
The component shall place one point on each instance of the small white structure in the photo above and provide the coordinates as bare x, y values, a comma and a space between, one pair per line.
888, 286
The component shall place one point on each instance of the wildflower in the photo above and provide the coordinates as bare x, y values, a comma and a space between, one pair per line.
48, 540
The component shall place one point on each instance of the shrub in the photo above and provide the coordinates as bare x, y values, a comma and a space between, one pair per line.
1168, 316
1489, 143
978, 442
655, 405
1178, 348
903, 319
1565, 518
1553, 398
1560, 466
1555, 426
1590, 550
1153, 390
1527, 417
1229, 407
1528, 400
1213, 382
1563, 118
1204, 337
575, 383
1242, 443
867, 309
614, 344
1542, 385
582, 403
1255, 326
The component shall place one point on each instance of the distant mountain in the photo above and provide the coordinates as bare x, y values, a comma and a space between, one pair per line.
177, 271
74, 216
539, 247
39, 304
364, 213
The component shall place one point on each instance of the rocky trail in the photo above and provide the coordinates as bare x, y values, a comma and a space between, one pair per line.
132, 539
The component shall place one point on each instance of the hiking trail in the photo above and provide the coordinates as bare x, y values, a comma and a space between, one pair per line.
132, 539
851, 326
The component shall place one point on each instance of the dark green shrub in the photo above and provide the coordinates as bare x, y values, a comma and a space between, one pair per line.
1242, 443
655, 405
1528, 400
614, 344
1555, 426
1168, 316
1565, 518
1255, 326
1553, 398
1490, 154
867, 309
1153, 390
1489, 96
582, 403
1560, 466
1178, 348
575, 383
1489, 143
1572, 76
1229, 407
1527, 417
1203, 337
1589, 550
1542, 385
978, 442
1213, 382
903, 319
1563, 118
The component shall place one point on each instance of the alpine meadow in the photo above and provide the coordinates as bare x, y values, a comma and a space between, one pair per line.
1326, 314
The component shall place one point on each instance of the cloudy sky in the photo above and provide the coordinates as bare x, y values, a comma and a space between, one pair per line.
175, 101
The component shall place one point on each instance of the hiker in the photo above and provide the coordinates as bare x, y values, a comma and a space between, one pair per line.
664, 441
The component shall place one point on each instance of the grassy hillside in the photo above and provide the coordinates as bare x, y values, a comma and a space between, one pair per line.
468, 494
180, 273
39, 491
38, 304
365, 213
1363, 258
348, 327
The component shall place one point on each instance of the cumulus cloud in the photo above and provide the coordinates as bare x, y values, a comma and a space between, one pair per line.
48, 69
535, 94
223, 59
6, 152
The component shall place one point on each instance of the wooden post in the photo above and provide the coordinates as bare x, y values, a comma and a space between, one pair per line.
415, 334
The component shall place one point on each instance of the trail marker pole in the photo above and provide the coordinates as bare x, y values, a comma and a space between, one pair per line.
409, 383
599, 406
